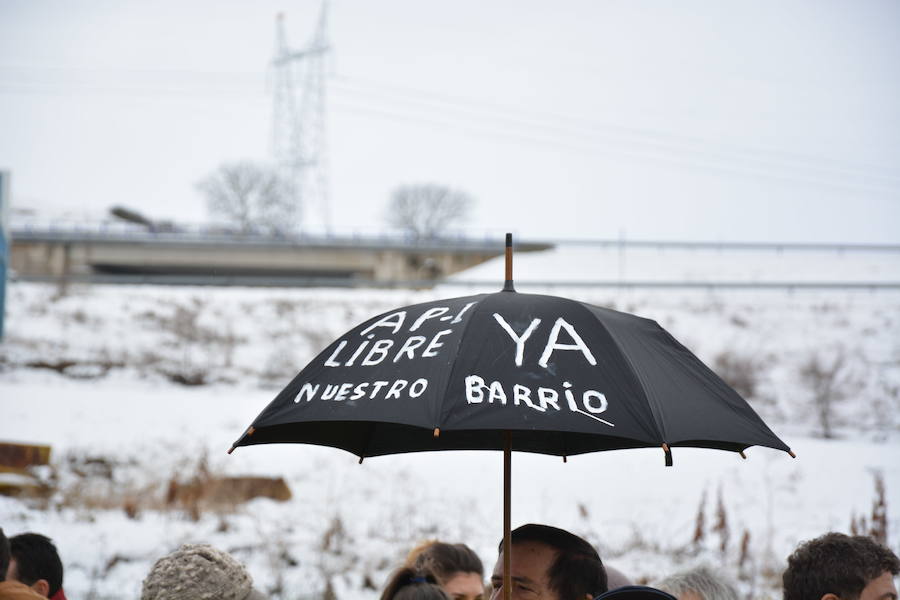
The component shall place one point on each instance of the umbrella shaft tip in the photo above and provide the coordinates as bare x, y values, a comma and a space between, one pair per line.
668, 454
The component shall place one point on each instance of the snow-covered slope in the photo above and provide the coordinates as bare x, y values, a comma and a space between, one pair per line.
100, 372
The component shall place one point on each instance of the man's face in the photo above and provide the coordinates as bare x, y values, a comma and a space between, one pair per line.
880, 588
530, 563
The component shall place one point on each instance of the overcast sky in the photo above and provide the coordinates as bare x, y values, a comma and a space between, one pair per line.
712, 120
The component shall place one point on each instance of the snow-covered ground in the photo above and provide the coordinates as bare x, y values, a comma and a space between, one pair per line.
99, 373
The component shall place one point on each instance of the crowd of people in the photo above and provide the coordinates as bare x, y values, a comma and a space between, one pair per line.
546, 563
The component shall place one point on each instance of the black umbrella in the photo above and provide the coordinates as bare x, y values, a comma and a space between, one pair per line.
508, 371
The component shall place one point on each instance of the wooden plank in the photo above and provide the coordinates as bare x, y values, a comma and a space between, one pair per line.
16, 457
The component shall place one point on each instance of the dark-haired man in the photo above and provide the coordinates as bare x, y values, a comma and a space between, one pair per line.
4, 555
841, 567
12, 590
550, 564
35, 562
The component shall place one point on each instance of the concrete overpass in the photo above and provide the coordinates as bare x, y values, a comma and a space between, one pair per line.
198, 257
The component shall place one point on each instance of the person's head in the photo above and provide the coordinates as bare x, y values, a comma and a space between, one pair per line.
457, 568
4, 555
35, 562
636, 592
552, 563
408, 583
698, 584
841, 567
198, 572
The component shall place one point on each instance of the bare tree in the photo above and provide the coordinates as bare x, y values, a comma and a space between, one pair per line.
740, 371
424, 210
251, 197
829, 384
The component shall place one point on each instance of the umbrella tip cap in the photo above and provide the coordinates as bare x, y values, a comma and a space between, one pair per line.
437, 432
508, 282
791, 453
230, 450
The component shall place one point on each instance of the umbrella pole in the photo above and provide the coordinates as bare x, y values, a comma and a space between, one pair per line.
508, 284
507, 521
507, 459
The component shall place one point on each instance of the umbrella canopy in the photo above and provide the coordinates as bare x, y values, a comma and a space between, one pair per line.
563, 376
508, 371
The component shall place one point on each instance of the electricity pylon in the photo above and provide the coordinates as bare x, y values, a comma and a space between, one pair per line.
298, 120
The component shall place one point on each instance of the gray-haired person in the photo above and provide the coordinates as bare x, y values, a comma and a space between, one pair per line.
199, 572
699, 583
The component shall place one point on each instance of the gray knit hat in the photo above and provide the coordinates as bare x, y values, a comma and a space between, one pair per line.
198, 572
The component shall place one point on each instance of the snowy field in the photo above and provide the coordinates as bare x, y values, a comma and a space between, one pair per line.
150, 382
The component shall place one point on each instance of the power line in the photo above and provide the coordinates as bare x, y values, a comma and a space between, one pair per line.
617, 152
243, 82
564, 132
579, 127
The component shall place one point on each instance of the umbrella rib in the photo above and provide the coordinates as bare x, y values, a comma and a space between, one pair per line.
660, 428
462, 336
370, 433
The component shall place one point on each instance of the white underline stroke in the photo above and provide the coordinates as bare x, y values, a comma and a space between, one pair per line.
587, 414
